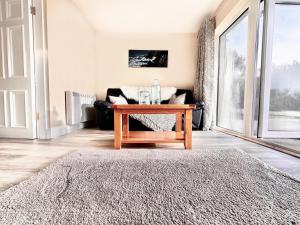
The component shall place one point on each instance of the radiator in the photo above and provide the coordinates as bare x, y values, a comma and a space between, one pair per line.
79, 108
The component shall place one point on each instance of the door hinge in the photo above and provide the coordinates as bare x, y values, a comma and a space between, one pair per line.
32, 10
37, 116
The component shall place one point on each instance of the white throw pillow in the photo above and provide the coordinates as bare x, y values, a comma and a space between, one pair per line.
177, 99
118, 100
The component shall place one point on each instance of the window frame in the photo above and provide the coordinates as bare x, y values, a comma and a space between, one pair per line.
244, 14
266, 64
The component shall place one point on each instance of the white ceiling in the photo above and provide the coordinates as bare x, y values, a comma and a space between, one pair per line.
180, 16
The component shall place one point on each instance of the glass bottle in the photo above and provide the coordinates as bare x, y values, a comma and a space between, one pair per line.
155, 92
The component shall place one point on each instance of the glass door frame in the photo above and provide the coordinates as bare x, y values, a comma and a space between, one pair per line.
225, 32
267, 49
253, 11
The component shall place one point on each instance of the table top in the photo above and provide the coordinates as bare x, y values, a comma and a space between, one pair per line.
155, 107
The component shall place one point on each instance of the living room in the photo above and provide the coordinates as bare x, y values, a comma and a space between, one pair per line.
138, 112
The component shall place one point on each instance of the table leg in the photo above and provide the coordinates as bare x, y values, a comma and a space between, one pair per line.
117, 129
125, 125
178, 125
188, 129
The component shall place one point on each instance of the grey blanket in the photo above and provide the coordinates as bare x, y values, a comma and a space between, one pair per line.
156, 122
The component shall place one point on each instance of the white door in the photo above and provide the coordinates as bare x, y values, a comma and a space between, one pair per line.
17, 92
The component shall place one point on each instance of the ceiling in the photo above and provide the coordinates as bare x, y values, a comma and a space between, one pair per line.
179, 16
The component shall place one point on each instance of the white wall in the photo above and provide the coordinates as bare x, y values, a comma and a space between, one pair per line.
224, 9
72, 55
228, 11
83, 60
112, 60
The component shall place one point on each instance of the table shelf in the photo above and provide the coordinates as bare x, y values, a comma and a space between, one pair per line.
153, 137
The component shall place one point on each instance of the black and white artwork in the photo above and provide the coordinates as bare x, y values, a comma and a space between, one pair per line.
148, 58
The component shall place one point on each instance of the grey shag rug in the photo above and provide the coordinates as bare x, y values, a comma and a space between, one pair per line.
208, 186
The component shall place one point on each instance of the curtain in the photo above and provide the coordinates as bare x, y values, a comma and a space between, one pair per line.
205, 81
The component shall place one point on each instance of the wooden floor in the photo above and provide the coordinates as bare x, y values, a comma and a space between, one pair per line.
20, 159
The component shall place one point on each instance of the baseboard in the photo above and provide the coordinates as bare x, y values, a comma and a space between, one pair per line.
66, 129
45, 135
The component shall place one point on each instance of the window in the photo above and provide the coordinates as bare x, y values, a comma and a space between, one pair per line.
232, 71
284, 108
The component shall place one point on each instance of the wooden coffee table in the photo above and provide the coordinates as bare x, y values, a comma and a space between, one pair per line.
123, 135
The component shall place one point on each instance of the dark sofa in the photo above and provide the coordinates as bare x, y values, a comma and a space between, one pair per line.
105, 115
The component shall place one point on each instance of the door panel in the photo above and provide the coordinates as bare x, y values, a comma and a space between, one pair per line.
3, 109
17, 96
17, 105
14, 10
2, 62
15, 50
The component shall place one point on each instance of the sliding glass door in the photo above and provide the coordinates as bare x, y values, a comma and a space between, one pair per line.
259, 73
280, 96
232, 71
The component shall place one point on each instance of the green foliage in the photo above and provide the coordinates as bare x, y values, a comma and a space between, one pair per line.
284, 100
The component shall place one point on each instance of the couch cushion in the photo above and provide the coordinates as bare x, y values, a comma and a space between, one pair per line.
177, 99
117, 92
189, 98
118, 100
132, 92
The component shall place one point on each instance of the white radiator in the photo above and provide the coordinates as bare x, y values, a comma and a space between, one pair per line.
79, 108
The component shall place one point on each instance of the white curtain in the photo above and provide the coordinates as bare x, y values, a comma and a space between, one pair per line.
204, 80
